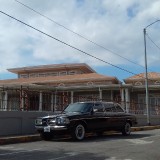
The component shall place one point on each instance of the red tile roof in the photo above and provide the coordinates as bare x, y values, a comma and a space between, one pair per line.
78, 78
53, 67
141, 76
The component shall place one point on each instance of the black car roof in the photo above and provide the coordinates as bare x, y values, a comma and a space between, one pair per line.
97, 102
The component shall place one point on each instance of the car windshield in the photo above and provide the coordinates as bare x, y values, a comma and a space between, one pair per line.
79, 107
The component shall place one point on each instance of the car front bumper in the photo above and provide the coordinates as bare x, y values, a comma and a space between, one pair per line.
51, 128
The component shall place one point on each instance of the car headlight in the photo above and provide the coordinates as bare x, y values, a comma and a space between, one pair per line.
38, 121
51, 121
62, 120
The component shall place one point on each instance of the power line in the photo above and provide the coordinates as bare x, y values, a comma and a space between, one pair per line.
67, 44
153, 41
77, 33
72, 46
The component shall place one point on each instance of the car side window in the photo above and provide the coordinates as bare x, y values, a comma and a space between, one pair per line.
88, 107
118, 108
98, 107
108, 107
114, 109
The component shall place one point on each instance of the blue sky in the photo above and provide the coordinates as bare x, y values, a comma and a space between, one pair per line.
115, 25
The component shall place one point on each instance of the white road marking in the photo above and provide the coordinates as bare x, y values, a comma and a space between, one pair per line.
114, 158
6, 147
139, 141
70, 154
142, 141
5, 154
111, 158
151, 137
11, 148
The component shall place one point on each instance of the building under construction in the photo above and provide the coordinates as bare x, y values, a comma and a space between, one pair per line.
52, 87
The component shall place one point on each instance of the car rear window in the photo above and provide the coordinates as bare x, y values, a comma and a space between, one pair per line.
98, 107
113, 108
118, 108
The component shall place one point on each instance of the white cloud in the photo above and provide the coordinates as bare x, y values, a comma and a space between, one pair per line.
116, 25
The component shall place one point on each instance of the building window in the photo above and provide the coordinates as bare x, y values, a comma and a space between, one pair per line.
42, 74
80, 72
157, 82
88, 97
138, 83
52, 74
23, 76
61, 85
90, 83
33, 75
63, 73
72, 72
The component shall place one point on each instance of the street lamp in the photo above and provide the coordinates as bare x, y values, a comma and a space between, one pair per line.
146, 73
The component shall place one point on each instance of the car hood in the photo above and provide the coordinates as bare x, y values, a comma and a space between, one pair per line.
68, 114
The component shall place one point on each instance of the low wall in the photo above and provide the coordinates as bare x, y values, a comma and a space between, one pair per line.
142, 120
18, 123
21, 123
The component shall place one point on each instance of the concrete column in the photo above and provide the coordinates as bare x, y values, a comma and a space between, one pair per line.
127, 100
100, 94
5, 101
1, 104
52, 102
40, 101
72, 93
55, 101
123, 98
111, 95
22, 100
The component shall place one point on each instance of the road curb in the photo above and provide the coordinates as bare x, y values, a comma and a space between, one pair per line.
144, 128
19, 139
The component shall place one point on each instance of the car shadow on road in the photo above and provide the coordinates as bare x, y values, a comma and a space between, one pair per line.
116, 136
108, 137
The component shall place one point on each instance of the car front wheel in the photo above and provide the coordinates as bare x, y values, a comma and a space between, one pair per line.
126, 129
78, 132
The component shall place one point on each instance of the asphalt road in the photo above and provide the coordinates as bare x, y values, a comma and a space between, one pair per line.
142, 145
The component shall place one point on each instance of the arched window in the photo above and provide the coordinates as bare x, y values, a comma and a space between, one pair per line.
157, 82
61, 85
89, 83
138, 83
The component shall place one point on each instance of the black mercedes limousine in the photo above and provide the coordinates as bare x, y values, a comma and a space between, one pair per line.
82, 117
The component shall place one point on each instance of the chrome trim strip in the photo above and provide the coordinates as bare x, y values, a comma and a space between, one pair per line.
54, 128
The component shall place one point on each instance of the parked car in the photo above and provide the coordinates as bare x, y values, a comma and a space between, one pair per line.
81, 117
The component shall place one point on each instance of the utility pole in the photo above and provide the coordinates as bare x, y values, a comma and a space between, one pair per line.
146, 73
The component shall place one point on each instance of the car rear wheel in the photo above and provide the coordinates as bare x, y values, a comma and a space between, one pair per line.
79, 132
126, 129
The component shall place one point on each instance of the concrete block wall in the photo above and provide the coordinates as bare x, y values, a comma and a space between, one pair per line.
142, 120
19, 123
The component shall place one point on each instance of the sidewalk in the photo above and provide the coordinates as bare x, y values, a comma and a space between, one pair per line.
36, 137
144, 128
